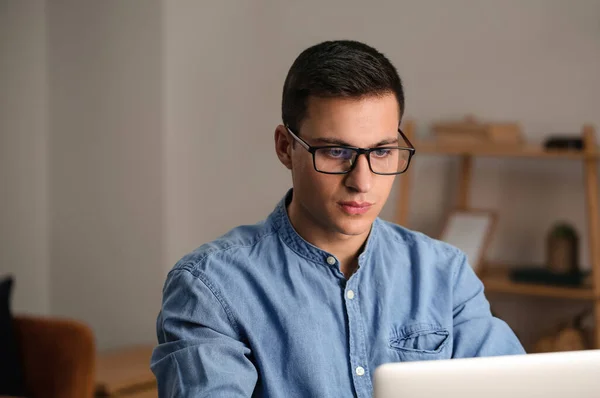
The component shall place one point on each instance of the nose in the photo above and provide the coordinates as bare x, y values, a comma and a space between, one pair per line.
360, 179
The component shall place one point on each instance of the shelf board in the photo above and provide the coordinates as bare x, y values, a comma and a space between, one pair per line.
496, 280
500, 150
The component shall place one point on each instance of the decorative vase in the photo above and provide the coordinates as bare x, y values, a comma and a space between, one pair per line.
562, 249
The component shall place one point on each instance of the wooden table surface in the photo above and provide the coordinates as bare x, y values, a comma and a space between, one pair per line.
142, 394
125, 370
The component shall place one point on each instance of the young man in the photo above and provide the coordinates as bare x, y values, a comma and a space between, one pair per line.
310, 301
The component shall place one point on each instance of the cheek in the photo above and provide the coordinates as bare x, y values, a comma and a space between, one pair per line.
301, 163
312, 183
327, 185
385, 186
320, 184
314, 187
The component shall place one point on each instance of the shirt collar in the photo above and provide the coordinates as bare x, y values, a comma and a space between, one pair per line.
281, 221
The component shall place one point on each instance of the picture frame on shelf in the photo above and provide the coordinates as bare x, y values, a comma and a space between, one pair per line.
471, 231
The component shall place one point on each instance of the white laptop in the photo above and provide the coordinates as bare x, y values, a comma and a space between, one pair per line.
552, 375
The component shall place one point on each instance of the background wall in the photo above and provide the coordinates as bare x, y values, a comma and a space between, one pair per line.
162, 116
106, 162
23, 153
221, 92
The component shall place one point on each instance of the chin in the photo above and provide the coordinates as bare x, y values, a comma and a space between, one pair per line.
354, 227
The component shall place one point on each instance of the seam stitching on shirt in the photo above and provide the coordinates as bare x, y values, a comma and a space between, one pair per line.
297, 252
280, 226
192, 268
202, 278
455, 271
192, 264
173, 391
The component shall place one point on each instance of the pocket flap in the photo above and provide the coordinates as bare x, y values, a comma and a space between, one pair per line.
419, 337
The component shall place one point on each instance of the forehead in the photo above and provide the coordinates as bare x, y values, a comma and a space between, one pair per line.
358, 121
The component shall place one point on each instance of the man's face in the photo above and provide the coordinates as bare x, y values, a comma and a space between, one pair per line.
344, 204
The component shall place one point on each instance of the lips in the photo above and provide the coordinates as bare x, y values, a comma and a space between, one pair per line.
355, 208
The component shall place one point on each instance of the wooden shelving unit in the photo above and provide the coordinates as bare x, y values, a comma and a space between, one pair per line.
496, 278
526, 151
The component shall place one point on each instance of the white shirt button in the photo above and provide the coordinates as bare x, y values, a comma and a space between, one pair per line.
350, 294
330, 260
360, 371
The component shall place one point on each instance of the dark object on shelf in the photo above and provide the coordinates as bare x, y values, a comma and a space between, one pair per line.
546, 277
562, 249
564, 142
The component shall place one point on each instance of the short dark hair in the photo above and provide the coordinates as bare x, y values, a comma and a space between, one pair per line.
341, 68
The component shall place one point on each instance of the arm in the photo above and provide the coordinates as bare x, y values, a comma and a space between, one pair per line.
476, 332
200, 353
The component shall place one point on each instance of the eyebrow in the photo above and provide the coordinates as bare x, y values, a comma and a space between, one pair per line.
335, 141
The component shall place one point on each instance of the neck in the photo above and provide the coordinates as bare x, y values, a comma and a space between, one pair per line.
346, 248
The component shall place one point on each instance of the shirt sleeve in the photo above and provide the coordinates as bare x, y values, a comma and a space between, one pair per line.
476, 332
200, 353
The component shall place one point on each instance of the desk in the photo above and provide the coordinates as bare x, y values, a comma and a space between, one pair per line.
142, 394
125, 373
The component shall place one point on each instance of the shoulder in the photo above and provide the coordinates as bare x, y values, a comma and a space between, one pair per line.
414, 242
237, 243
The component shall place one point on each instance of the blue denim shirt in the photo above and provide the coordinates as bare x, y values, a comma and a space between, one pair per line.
261, 312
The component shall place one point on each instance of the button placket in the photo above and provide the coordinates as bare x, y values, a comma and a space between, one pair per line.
358, 357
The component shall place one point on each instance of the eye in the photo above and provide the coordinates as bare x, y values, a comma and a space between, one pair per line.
382, 152
339, 153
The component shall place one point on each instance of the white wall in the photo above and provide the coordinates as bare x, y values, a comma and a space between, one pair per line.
221, 112
23, 153
107, 166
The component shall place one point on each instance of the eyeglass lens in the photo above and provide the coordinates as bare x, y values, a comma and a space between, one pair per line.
382, 160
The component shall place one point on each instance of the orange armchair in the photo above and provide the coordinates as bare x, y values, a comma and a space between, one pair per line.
58, 357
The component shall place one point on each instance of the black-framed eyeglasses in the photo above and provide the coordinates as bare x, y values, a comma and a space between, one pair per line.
339, 159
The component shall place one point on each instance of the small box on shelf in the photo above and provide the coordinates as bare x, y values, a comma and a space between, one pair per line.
470, 131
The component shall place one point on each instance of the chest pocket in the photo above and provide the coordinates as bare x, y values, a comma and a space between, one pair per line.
420, 342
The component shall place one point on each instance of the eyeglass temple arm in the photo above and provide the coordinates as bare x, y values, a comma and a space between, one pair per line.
300, 140
406, 139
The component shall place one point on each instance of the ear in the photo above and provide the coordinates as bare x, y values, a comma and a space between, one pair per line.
283, 146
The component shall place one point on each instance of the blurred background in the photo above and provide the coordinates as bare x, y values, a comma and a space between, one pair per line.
133, 131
